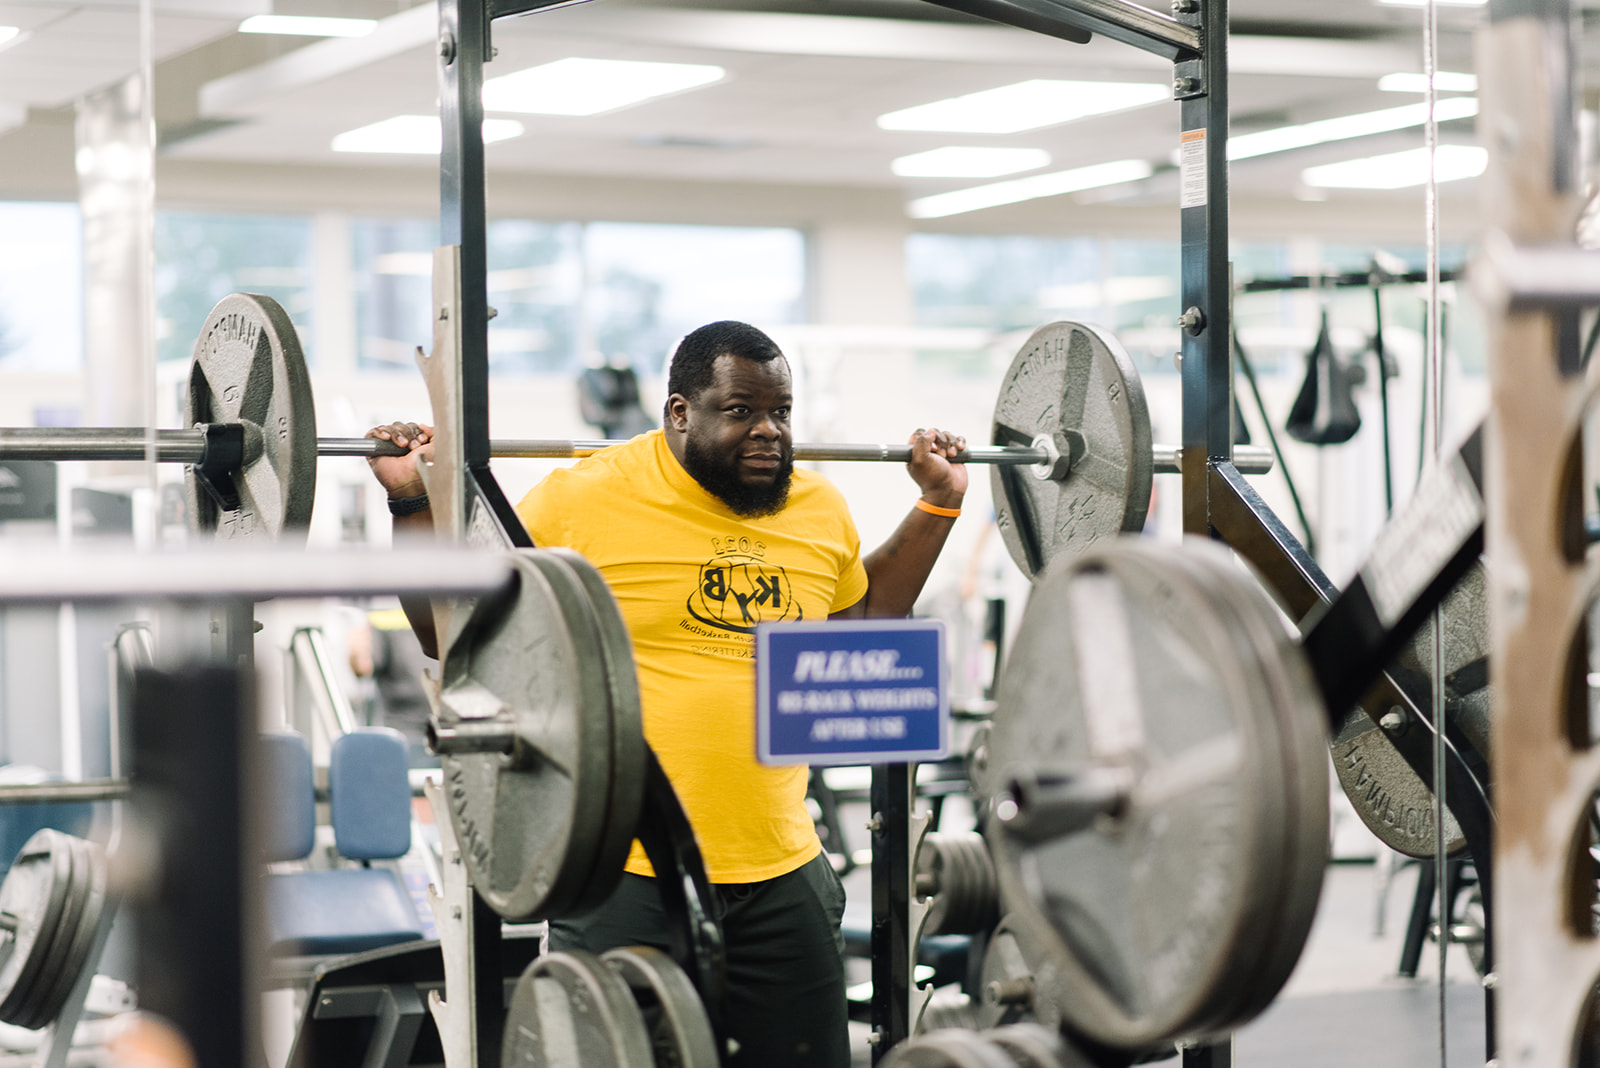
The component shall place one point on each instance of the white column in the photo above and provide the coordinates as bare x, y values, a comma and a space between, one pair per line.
856, 274
333, 313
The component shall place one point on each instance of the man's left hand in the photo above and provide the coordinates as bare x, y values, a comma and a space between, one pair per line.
942, 482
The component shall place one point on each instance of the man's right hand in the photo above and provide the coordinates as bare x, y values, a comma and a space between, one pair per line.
398, 474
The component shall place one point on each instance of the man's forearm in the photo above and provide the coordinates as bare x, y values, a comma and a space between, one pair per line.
415, 528
899, 568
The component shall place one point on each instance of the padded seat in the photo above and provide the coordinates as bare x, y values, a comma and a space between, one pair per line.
334, 913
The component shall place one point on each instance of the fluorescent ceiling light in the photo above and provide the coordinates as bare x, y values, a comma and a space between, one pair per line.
1019, 189
307, 26
414, 135
955, 161
1024, 106
1346, 126
8, 32
1444, 3
1445, 81
1397, 170
576, 86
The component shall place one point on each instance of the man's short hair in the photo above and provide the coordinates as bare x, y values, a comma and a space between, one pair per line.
694, 362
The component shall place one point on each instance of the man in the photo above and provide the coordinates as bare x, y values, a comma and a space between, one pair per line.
703, 530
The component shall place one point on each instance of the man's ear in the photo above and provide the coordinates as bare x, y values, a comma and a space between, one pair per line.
678, 412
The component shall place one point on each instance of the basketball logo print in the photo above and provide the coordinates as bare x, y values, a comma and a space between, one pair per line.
736, 592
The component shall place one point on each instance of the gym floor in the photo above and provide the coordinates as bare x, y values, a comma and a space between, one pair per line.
1345, 1004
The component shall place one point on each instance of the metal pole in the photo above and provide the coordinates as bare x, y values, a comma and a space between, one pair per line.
83, 790
188, 447
52, 577
1202, 86
891, 794
197, 926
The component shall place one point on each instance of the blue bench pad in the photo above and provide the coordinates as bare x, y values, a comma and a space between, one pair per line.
347, 910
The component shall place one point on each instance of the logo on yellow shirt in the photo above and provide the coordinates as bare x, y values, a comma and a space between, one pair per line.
736, 591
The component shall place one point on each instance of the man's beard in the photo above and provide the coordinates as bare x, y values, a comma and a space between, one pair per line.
722, 482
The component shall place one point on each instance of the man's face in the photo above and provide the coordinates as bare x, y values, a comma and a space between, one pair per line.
736, 435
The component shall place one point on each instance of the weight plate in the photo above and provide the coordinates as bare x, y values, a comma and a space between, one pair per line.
529, 822
1466, 658
51, 985
680, 1033
1071, 388
248, 368
32, 898
627, 719
1385, 792
948, 1008
967, 899
1019, 981
90, 878
570, 1009
1032, 1046
1125, 670
36, 1010
594, 827
950, 1048
1282, 680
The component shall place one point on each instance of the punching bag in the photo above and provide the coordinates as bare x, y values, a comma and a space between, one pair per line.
1324, 411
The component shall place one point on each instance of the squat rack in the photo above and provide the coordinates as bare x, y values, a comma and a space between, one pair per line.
1217, 501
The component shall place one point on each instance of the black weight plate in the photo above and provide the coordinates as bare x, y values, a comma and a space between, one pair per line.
248, 368
627, 718
35, 1010
34, 893
1121, 665
680, 1033
948, 1048
1032, 1046
570, 1009
1071, 379
92, 885
528, 830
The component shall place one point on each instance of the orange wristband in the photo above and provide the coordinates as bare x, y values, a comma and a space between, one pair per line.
934, 509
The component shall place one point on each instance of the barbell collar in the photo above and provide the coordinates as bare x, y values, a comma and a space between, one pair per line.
189, 447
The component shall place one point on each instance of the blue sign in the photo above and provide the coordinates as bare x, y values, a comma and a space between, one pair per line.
868, 691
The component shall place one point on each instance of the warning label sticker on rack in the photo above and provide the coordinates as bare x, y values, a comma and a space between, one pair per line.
1192, 169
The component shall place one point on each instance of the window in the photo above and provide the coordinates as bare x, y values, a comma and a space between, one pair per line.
393, 268
648, 285
41, 287
567, 293
201, 258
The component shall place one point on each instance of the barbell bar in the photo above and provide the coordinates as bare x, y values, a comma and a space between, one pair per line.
189, 447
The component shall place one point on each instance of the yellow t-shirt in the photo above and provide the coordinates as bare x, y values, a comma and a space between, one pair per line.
693, 579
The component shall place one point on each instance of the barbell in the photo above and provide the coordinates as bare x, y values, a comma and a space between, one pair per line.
178, 446
1070, 447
